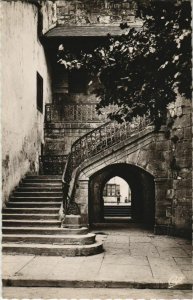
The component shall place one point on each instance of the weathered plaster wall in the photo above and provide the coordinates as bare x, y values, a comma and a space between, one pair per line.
22, 124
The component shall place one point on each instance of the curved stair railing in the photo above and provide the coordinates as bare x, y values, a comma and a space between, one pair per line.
89, 145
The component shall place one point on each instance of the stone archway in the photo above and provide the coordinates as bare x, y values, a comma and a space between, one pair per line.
142, 192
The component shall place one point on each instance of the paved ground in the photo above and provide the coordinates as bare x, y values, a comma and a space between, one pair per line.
132, 258
69, 293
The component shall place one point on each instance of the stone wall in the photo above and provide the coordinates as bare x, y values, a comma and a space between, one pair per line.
171, 155
22, 124
153, 153
59, 137
70, 116
48, 11
95, 12
140, 151
180, 195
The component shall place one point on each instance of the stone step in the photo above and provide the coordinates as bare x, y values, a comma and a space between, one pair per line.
30, 216
121, 207
26, 211
39, 189
41, 184
31, 223
37, 194
41, 180
43, 177
44, 230
53, 250
117, 213
86, 239
36, 199
34, 204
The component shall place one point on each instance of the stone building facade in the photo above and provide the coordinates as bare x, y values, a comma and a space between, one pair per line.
37, 136
22, 58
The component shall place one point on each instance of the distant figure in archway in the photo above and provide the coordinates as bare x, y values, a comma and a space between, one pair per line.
126, 200
118, 198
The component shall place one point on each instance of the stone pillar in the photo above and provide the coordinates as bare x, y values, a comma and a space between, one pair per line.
163, 206
81, 198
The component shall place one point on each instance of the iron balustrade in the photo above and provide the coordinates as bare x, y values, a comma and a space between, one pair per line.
90, 145
72, 113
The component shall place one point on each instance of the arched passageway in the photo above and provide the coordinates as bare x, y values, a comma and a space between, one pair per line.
117, 200
142, 188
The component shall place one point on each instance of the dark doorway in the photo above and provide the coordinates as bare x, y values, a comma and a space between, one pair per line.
142, 188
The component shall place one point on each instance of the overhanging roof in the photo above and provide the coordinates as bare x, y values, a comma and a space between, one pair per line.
85, 31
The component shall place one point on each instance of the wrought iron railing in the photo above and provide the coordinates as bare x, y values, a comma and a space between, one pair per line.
72, 113
90, 145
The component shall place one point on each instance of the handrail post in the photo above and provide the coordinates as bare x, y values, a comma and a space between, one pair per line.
65, 188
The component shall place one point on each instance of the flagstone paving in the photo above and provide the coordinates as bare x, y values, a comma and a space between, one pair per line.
130, 256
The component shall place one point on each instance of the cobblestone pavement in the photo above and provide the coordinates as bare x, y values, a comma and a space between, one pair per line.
82, 293
130, 256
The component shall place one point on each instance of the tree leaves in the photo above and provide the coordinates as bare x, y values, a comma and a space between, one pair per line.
141, 71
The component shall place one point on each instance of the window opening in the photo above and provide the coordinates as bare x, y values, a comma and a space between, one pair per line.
39, 99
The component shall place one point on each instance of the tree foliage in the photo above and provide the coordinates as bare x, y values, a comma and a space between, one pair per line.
142, 71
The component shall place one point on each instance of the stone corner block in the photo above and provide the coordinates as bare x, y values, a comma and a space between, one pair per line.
72, 219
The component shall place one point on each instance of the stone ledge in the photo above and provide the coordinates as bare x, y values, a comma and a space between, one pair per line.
52, 250
93, 284
86, 31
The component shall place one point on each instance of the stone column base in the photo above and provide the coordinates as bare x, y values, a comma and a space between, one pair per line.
72, 221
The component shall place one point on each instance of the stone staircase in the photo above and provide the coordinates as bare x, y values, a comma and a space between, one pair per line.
117, 211
30, 222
